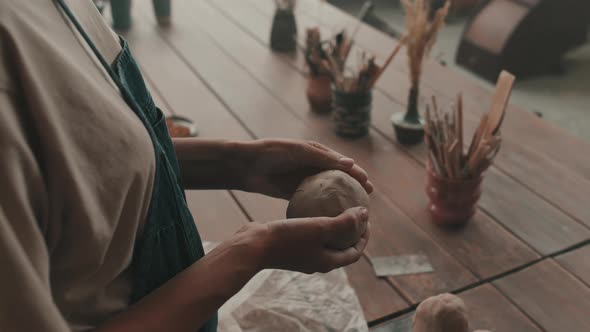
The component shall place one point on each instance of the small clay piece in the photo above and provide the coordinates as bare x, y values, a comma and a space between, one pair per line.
179, 126
327, 194
441, 313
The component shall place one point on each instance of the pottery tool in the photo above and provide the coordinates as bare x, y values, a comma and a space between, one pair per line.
329, 58
401, 265
500, 102
459, 123
315, 56
397, 48
492, 120
445, 140
364, 76
367, 7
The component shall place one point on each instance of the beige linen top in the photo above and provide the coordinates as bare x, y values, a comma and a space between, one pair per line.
76, 172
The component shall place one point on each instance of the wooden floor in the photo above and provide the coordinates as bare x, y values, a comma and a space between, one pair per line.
522, 264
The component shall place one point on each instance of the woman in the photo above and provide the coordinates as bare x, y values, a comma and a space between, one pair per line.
95, 233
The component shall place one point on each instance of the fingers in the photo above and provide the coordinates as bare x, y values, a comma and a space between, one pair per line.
346, 229
319, 156
327, 158
362, 177
339, 258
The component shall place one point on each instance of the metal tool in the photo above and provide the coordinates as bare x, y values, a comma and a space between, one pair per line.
401, 265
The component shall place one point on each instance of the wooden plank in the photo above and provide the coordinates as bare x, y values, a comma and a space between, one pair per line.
217, 215
394, 233
577, 262
480, 251
489, 310
477, 246
185, 93
550, 296
522, 217
551, 180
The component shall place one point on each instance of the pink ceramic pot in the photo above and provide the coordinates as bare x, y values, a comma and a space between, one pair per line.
452, 202
319, 93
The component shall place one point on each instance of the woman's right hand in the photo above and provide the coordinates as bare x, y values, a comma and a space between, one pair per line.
304, 245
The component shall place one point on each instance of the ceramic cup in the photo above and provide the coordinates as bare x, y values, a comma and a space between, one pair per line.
452, 202
319, 93
351, 112
283, 31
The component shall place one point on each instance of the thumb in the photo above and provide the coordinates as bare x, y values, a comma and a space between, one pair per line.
346, 229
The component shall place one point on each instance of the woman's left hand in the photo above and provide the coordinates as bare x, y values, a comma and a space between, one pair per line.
276, 167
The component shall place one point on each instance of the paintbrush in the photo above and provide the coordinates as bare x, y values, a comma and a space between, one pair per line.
397, 48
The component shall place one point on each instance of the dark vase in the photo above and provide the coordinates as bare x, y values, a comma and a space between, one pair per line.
121, 11
408, 125
284, 31
163, 11
412, 115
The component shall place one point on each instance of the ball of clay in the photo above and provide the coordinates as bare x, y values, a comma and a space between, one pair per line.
328, 194
441, 313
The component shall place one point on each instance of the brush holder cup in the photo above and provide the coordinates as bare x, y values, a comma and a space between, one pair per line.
319, 93
351, 112
452, 202
283, 33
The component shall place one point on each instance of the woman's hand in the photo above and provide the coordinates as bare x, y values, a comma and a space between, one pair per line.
188, 300
305, 245
276, 167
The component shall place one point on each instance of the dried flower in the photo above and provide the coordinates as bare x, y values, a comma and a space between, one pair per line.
421, 32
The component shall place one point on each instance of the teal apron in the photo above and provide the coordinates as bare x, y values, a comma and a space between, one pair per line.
170, 241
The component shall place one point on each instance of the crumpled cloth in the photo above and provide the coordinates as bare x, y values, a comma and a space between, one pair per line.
285, 301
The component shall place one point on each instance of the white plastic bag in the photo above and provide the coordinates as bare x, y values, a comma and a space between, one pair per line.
285, 301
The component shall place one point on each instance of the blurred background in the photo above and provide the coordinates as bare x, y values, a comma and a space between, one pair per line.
559, 92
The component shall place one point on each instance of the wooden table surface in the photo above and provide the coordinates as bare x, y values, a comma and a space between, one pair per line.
521, 264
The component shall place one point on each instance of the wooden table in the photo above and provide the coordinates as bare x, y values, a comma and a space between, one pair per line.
521, 264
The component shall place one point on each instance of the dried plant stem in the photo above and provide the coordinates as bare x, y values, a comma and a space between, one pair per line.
421, 33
